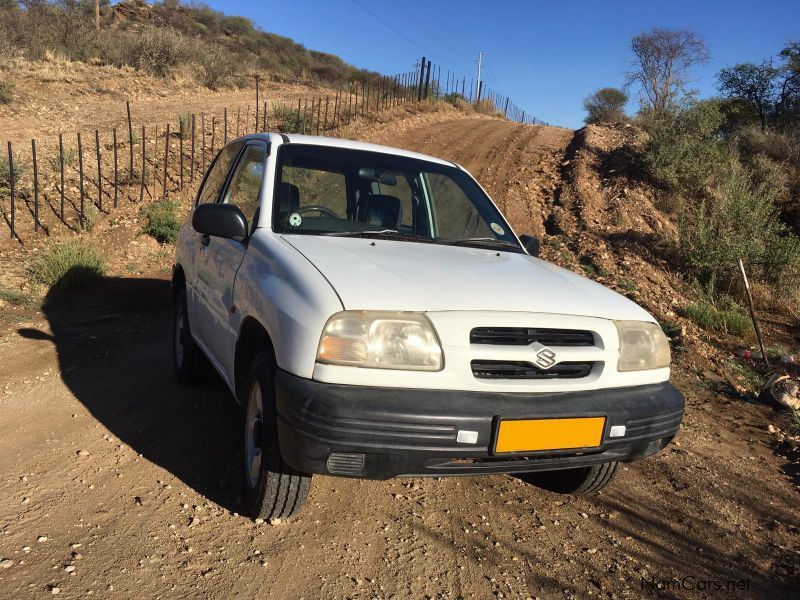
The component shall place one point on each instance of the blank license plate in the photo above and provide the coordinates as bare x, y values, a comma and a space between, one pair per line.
549, 434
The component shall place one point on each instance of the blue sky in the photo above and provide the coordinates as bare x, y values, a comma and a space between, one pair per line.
547, 56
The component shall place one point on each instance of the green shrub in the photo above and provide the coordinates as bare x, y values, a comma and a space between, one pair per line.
69, 265
70, 157
740, 222
89, 218
5, 180
154, 49
685, 153
293, 122
185, 124
15, 298
216, 66
162, 220
726, 320
6, 92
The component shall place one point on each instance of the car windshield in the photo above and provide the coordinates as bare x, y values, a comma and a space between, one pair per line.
322, 190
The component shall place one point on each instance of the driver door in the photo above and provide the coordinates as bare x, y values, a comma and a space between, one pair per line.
220, 259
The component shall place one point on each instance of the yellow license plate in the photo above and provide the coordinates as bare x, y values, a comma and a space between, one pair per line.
549, 434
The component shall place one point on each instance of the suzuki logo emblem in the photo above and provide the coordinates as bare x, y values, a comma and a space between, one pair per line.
545, 357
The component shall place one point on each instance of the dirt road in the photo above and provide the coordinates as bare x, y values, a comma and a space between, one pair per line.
110, 467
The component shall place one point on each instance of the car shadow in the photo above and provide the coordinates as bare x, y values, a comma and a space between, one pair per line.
113, 344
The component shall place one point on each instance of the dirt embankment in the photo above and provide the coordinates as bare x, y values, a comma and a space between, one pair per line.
110, 467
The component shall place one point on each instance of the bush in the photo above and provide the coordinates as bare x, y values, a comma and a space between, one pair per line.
216, 65
6, 92
185, 124
5, 181
685, 153
726, 320
606, 105
15, 298
89, 218
154, 49
70, 156
161, 220
740, 221
293, 121
67, 266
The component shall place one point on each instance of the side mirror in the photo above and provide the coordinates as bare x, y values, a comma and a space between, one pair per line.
220, 220
531, 244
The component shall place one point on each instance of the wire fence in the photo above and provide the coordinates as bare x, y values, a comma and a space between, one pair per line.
69, 182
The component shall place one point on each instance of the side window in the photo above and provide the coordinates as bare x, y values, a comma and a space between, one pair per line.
245, 185
315, 186
216, 177
456, 215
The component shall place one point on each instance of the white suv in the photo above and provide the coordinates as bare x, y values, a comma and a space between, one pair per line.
376, 316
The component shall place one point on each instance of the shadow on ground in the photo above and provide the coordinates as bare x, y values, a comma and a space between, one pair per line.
114, 351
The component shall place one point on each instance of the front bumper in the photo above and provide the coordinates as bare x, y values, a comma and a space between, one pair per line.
378, 433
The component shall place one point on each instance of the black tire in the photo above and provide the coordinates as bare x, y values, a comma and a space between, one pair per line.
273, 489
584, 480
186, 355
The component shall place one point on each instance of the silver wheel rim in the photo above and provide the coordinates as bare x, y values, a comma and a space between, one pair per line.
179, 328
255, 420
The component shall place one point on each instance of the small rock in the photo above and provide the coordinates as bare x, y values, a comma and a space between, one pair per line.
77, 555
74, 546
194, 521
83, 453
69, 568
584, 515
6, 564
55, 590
26, 549
259, 521
41, 539
275, 521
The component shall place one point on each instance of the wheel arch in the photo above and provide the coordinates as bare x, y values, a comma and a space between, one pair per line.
178, 280
253, 338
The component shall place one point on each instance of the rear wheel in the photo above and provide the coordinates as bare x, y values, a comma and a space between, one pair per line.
186, 356
584, 480
272, 488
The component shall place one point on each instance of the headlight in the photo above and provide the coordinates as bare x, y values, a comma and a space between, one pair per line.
642, 346
380, 340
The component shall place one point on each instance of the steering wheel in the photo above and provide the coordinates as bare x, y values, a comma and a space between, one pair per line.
323, 210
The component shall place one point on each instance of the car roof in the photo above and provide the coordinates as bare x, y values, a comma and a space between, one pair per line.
318, 140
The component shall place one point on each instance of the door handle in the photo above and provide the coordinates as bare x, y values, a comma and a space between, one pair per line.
205, 240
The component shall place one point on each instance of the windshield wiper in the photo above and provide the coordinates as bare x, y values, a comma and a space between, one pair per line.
481, 241
361, 232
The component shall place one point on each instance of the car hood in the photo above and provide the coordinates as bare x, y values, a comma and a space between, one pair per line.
375, 274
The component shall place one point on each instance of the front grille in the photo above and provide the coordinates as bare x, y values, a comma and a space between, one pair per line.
510, 369
524, 336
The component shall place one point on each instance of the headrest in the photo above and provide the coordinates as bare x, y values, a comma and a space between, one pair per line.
384, 211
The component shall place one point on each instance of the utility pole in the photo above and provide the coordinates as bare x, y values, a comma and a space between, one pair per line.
478, 91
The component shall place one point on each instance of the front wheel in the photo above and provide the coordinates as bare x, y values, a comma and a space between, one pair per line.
186, 355
584, 480
272, 488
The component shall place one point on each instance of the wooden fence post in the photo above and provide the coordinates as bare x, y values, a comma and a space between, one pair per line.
180, 145
99, 171
80, 178
155, 164
238, 113
166, 159
191, 162
35, 187
203, 141
255, 130
225, 125
213, 133
325, 122
264, 118
144, 165
130, 140
116, 182
61, 159
11, 188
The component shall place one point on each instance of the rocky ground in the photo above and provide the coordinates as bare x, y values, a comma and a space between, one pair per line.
116, 481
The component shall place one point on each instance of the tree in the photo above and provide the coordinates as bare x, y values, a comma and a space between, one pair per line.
756, 86
606, 105
663, 58
771, 92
